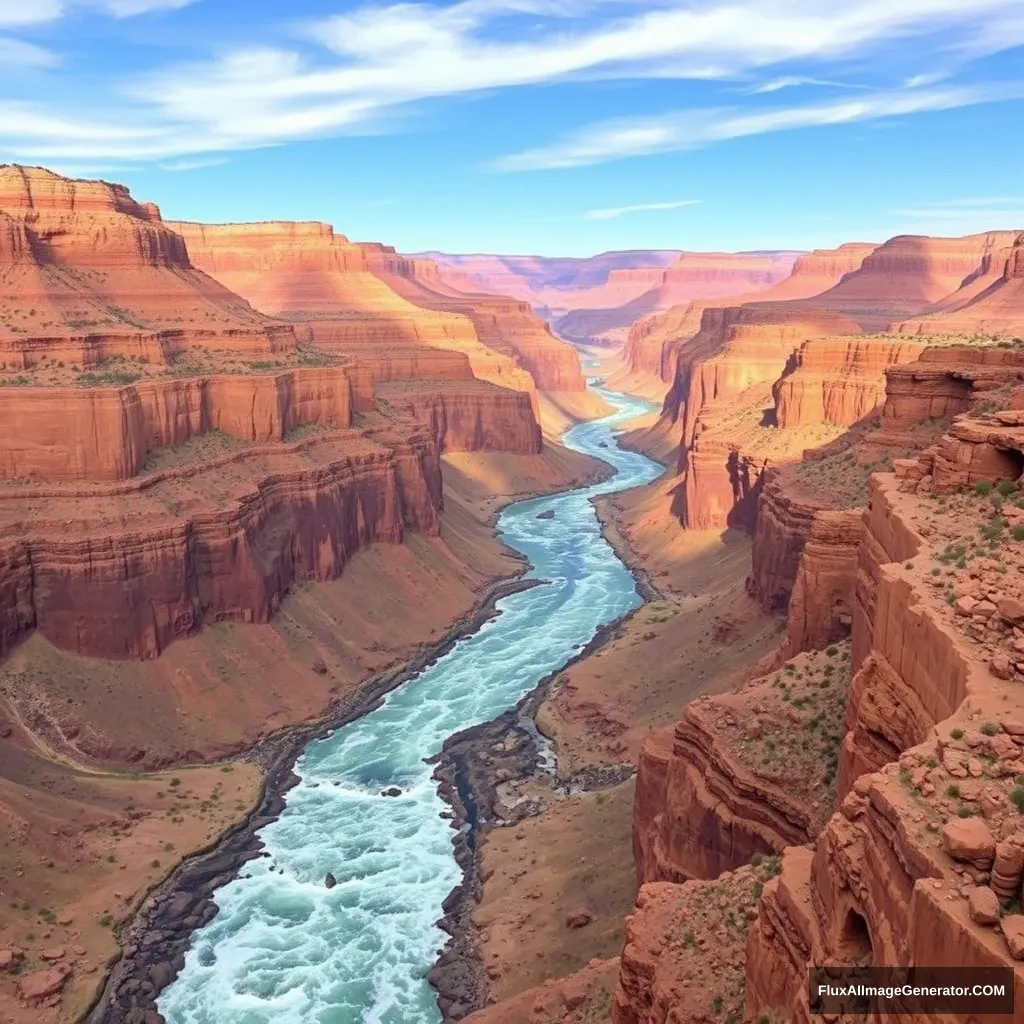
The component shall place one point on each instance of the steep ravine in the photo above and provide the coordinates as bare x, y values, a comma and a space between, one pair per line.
284, 946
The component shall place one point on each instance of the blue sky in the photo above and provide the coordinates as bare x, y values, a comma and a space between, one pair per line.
561, 127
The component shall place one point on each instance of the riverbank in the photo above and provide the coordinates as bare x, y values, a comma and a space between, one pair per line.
587, 590
502, 772
95, 870
552, 897
154, 943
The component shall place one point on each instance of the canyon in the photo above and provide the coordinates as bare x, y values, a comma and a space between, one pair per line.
243, 454
847, 791
219, 518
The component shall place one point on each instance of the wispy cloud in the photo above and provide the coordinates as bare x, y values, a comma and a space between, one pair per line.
194, 165
797, 81
17, 13
15, 53
620, 211
925, 79
347, 72
130, 8
689, 129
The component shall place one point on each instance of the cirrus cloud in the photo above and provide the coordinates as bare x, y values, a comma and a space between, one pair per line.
354, 70
613, 212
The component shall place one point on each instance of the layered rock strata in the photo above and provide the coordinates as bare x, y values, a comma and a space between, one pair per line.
989, 302
838, 380
120, 571
340, 293
749, 773
107, 433
654, 342
87, 273
693, 276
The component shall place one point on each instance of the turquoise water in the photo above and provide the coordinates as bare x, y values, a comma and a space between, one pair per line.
284, 949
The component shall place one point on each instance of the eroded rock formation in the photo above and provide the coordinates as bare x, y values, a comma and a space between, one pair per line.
653, 344
181, 458
342, 294
922, 753
87, 273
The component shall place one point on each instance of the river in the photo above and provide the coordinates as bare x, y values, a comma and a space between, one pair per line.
285, 949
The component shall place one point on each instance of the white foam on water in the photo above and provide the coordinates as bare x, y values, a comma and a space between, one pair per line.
285, 949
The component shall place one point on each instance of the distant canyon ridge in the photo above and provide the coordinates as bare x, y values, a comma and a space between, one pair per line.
596, 299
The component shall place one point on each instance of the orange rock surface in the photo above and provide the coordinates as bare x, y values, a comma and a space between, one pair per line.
87, 273
342, 294
910, 273
990, 302
218, 470
932, 731
837, 380
556, 285
653, 344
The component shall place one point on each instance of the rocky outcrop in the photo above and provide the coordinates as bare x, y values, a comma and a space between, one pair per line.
684, 951
470, 417
944, 381
554, 286
369, 366
107, 433
742, 346
653, 344
816, 272
723, 379
510, 328
908, 274
746, 775
87, 273
928, 728
803, 560
990, 301
341, 293
838, 380
150, 560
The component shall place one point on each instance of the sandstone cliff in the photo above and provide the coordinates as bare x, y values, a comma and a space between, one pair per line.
165, 480
121, 571
87, 273
341, 293
556, 285
908, 274
922, 864
802, 353
990, 301
837, 380
653, 343
107, 433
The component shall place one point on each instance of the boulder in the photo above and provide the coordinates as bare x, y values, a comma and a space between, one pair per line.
579, 918
1012, 610
43, 988
10, 957
970, 840
1001, 667
1013, 932
982, 905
